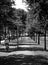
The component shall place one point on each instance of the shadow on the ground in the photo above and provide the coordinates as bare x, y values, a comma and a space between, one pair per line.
31, 49
23, 60
23, 49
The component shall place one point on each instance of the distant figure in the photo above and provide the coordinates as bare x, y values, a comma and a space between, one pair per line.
7, 46
2, 41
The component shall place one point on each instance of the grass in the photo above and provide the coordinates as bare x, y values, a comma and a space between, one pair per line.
23, 60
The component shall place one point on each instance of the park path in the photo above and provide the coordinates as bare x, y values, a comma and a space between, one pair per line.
28, 42
25, 42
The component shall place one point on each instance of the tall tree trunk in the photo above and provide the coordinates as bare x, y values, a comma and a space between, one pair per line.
5, 31
15, 33
9, 36
0, 39
45, 40
21, 37
17, 40
17, 37
38, 39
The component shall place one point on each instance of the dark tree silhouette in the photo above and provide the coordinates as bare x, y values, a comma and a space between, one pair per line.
43, 15
5, 8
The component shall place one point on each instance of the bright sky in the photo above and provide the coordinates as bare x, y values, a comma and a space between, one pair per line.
21, 4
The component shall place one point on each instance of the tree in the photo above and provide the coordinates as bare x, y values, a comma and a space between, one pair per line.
5, 9
42, 23
19, 20
20, 16
6, 12
34, 16
43, 15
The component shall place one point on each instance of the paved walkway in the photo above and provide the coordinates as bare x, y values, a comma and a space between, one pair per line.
27, 42
33, 53
24, 42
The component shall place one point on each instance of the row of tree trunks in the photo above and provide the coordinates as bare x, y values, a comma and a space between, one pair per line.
7, 33
44, 40
37, 38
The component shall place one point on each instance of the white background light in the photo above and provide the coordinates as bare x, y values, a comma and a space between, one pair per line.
20, 4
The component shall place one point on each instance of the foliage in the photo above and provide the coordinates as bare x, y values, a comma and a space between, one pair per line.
43, 15
20, 20
33, 14
5, 9
38, 14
